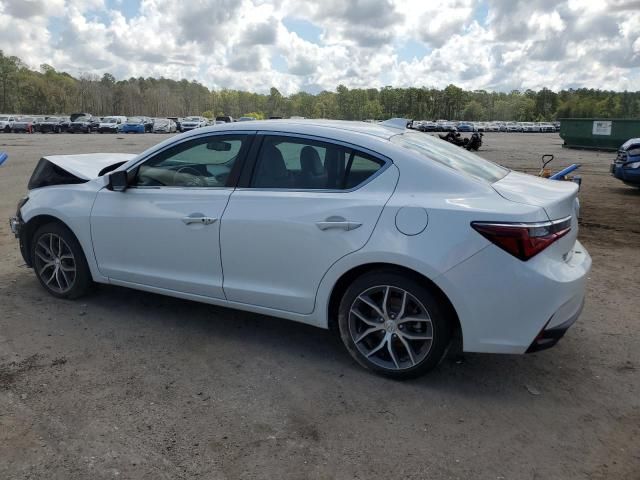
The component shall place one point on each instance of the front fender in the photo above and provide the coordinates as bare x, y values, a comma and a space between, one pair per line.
71, 205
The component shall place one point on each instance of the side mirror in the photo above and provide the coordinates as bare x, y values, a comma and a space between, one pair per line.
118, 181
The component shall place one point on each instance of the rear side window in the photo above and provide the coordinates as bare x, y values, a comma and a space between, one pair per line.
302, 164
450, 155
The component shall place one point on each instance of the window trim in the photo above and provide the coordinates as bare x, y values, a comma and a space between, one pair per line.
248, 171
234, 174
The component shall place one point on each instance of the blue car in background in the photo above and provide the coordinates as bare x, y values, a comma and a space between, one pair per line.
134, 125
466, 127
626, 166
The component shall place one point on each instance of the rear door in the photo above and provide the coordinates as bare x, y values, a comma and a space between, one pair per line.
306, 204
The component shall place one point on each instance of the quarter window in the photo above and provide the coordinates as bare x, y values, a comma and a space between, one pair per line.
204, 162
301, 164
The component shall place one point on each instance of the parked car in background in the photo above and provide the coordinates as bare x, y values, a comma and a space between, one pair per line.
74, 116
626, 166
23, 124
466, 127
245, 119
224, 118
189, 123
530, 127
376, 208
492, 127
164, 125
111, 124
84, 125
6, 123
513, 127
148, 124
178, 122
428, 126
547, 128
134, 125
52, 125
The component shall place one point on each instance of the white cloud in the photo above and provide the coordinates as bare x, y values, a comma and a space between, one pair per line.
244, 44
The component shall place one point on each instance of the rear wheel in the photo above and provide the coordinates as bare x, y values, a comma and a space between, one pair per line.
393, 325
59, 262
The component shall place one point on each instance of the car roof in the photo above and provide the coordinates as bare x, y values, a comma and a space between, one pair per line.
308, 126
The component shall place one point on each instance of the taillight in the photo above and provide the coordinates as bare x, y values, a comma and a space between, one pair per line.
523, 240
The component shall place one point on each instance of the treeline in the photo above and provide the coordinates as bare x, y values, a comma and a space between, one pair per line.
47, 91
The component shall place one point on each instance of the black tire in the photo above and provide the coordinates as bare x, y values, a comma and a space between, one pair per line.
422, 358
81, 282
7, 129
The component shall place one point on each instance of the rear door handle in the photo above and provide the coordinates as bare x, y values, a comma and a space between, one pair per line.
199, 219
338, 223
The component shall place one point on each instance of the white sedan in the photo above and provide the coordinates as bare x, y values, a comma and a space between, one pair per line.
398, 241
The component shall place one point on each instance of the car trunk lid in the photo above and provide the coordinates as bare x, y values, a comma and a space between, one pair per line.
557, 198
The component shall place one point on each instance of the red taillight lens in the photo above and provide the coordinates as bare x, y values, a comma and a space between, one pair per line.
523, 240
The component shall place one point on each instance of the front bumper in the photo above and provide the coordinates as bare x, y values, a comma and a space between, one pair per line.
627, 175
16, 224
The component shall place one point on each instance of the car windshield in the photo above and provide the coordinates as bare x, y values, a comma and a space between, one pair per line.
53, 119
83, 119
192, 119
450, 155
134, 120
161, 121
109, 120
26, 119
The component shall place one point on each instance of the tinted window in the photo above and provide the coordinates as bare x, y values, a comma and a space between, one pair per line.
301, 164
450, 155
204, 162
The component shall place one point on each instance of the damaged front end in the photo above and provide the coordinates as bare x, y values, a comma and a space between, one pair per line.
48, 173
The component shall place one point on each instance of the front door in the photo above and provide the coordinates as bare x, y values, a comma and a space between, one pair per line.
163, 231
309, 203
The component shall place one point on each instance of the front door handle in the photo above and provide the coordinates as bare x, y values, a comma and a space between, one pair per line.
339, 223
198, 219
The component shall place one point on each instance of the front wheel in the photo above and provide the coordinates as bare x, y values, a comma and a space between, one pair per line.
59, 262
393, 325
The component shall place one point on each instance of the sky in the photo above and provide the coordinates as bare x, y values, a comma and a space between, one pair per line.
293, 45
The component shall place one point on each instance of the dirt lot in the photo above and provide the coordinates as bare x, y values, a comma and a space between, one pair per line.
125, 384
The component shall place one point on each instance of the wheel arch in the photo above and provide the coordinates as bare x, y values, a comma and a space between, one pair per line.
341, 285
30, 228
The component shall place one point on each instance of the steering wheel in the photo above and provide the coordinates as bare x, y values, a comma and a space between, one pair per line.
195, 178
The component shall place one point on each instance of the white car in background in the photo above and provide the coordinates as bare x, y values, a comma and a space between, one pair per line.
397, 240
6, 123
189, 123
164, 125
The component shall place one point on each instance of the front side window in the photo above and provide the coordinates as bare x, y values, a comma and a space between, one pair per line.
203, 162
302, 164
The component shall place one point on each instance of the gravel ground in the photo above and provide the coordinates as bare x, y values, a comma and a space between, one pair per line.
126, 384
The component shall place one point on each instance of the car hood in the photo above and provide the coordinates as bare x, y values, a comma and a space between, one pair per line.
88, 165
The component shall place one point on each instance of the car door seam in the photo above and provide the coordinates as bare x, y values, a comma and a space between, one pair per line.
315, 300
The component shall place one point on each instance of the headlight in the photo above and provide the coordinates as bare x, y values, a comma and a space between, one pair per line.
632, 165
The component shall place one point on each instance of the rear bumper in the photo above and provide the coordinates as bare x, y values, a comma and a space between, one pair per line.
550, 336
504, 304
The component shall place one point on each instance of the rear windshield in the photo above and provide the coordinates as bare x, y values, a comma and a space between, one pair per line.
451, 155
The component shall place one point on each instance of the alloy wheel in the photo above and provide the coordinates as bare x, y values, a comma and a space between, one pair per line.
54, 263
390, 327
